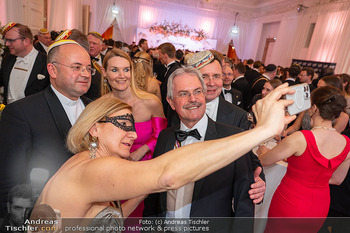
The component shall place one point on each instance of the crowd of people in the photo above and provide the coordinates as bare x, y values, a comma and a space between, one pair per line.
90, 122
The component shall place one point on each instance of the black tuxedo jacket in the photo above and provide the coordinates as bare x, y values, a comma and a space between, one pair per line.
163, 86
242, 85
237, 97
212, 195
232, 115
34, 84
290, 82
33, 131
251, 75
40, 48
94, 91
258, 85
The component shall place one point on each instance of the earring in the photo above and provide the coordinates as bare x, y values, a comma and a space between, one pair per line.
92, 147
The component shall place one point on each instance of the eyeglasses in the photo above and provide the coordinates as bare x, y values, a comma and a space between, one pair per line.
186, 94
10, 41
78, 68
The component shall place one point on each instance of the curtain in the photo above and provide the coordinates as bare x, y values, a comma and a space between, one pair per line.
3, 15
65, 14
103, 16
329, 41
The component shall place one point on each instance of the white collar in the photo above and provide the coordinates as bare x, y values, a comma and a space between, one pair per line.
266, 76
167, 66
201, 126
63, 99
31, 55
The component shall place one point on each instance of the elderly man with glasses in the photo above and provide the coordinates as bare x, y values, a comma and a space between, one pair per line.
33, 130
23, 72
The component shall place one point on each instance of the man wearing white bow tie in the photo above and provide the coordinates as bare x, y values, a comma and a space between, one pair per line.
23, 71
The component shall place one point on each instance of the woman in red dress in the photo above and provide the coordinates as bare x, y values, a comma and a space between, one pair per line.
313, 158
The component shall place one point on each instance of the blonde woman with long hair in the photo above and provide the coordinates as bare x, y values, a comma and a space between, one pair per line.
144, 78
119, 82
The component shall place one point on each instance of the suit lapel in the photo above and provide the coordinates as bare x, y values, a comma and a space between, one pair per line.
58, 113
222, 110
211, 134
8, 69
37, 67
169, 145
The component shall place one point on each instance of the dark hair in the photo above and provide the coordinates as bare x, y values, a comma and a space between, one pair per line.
257, 64
141, 41
179, 54
329, 100
333, 81
168, 49
309, 71
20, 191
346, 79
294, 71
241, 68
250, 61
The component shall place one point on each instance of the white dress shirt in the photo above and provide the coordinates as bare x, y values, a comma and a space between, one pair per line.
179, 201
20, 75
73, 108
228, 96
44, 46
212, 108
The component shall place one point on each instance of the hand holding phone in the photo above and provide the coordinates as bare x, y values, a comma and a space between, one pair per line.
301, 99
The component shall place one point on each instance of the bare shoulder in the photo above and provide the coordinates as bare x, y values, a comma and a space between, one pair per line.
296, 140
153, 103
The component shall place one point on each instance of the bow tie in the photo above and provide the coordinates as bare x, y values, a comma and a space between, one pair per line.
227, 91
22, 59
182, 135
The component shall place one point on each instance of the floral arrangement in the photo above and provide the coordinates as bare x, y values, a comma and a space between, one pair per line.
177, 29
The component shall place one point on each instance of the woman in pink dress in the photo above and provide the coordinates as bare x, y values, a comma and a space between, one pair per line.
119, 82
314, 160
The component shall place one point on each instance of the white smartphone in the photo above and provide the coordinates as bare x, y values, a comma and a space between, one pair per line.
301, 99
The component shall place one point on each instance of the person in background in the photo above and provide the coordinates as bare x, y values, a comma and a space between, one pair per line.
229, 93
23, 72
346, 84
268, 87
143, 66
44, 41
340, 123
19, 204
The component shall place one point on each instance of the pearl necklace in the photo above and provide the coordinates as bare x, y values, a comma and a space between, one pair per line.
322, 127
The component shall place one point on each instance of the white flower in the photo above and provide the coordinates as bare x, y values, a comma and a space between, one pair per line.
41, 76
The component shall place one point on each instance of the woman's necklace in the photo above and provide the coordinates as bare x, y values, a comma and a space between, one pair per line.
322, 127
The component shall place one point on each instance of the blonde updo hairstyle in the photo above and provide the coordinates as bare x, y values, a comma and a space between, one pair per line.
143, 67
79, 138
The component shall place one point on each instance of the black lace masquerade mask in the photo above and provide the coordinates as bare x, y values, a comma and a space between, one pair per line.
125, 122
